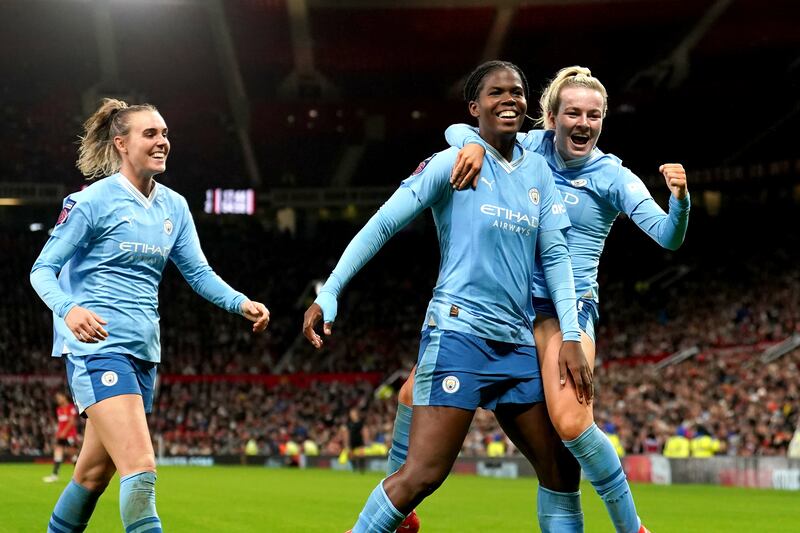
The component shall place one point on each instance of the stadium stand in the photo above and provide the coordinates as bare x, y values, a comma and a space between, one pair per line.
730, 292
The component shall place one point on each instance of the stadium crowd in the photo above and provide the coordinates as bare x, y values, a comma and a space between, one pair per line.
752, 409
729, 309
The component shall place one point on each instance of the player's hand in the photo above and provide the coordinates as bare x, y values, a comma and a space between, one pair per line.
675, 176
257, 313
86, 325
467, 168
571, 358
310, 318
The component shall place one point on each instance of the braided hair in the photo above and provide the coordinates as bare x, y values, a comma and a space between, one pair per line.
474, 83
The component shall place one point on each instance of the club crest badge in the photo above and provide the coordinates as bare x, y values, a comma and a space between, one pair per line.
533, 194
168, 227
450, 384
109, 379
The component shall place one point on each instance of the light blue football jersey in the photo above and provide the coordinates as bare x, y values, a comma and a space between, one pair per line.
487, 240
594, 195
111, 244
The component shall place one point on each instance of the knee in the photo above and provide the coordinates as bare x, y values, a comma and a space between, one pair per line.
406, 395
96, 479
562, 475
570, 425
143, 463
149, 463
422, 481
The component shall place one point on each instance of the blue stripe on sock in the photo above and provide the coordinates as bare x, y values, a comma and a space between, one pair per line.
603, 482
63, 523
402, 447
142, 522
60, 521
51, 527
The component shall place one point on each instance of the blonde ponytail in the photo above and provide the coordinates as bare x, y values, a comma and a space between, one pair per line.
574, 76
97, 155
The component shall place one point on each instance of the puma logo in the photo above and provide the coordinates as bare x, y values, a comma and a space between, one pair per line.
488, 183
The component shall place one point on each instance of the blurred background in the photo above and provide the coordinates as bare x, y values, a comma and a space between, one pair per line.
292, 120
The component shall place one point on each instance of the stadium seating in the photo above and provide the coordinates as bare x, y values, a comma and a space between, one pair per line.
731, 290
729, 309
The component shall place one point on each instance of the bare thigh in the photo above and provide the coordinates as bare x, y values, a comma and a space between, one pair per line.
121, 426
406, 396
569, 416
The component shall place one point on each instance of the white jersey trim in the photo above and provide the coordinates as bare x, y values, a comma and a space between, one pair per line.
508, 166
146, 201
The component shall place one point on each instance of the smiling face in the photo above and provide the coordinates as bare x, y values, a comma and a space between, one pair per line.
145, 148
501, 106
578, 122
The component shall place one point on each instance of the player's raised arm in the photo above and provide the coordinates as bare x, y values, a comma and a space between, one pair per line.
667, 229
675, 177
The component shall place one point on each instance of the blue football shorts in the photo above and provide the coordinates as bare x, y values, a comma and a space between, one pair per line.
587, 312
456, 369
93, 378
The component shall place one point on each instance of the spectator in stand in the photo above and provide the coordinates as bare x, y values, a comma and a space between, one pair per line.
496, 447
794, 445
678, 445
703, 445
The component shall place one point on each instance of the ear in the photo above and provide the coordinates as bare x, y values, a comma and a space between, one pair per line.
551, 118
474, 109
119, 143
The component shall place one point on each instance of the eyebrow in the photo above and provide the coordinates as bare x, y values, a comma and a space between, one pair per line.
153, 130
578, 108
515, 87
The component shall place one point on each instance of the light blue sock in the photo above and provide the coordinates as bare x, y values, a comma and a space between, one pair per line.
559, 512
137, 503
73, 509
602, 467
379, 514
399, 451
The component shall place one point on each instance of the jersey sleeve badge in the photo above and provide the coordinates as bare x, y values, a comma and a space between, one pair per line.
421, 166
64, 214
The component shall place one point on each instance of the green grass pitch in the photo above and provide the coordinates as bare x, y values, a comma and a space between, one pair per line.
247, 499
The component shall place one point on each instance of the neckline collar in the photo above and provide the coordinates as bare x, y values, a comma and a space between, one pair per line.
146, 201
508, 166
